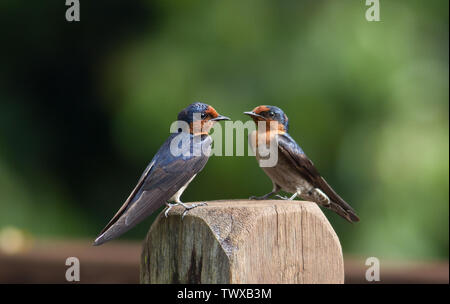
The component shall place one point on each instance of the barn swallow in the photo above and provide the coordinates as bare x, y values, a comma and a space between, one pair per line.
294, 172
169, 173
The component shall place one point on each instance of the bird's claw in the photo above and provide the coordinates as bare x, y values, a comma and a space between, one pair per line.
258, 198
169, 206
186, 207
282, 197
288, 198
191, 206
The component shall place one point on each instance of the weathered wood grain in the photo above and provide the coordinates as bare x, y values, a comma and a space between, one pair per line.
243, 242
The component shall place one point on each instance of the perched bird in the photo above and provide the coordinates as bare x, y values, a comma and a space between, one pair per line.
177, 162
293, 172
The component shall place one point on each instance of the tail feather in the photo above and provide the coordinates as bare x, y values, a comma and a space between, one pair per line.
114, 231
337, 203
348, 214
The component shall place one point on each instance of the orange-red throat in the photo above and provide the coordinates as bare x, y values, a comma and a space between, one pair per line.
207, 119
268, 115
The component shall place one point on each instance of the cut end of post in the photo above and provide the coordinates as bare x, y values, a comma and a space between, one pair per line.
243, 241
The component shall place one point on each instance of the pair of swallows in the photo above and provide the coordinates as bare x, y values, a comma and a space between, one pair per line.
167, 176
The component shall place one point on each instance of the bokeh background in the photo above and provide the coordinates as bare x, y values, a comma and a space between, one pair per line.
85, 105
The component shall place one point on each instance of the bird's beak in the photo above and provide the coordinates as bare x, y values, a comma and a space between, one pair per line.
253, 114
220, 117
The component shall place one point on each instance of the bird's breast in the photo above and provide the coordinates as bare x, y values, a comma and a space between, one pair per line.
177, 195
283, 173
258, 139
287, 176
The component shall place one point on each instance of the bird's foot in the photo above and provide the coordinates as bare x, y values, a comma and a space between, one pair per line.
254, 197
262, 197
287, 198
189, 207
282, 197
169, 206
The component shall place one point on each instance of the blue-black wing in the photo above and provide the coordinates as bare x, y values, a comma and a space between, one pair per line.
162, 178
292, 151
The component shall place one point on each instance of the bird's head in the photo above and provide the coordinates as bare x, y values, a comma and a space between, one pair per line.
200, 117
270, 114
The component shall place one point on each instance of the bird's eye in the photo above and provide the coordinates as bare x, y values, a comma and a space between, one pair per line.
271, 114
203, 115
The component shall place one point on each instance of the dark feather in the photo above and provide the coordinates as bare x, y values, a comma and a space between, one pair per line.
288, 147
130, 197
163, 177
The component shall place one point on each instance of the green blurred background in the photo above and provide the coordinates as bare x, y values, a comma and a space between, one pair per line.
85, 105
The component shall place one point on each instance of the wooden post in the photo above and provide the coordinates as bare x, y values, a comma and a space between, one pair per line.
243, 242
